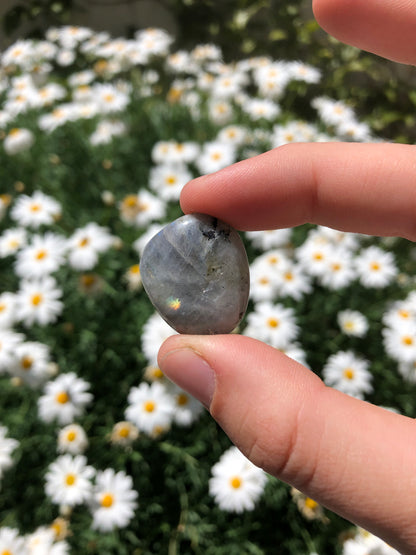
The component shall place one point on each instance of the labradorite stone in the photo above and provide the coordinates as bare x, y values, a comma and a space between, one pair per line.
195, 272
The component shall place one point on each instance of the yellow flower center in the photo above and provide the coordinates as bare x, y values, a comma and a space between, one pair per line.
375, 266
349, 373
318, 256
70, 479
26, 362
35, 207
404, 313
264, 281
170, 180
62, 397
124, 431
6, 552
311, 504
135, 269
407, 340
88, 280
13, 244
130, 201
288, 276
83, 242
182, 399
273, 323
107, 500
336, 266
2, 307
236, 482
37, 298
71, 435
149, 406
41, 254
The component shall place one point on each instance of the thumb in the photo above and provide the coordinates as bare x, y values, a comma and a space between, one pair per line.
354, 458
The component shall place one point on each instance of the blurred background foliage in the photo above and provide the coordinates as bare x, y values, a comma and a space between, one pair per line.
381, 92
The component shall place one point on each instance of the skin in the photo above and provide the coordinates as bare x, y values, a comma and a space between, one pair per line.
354, 458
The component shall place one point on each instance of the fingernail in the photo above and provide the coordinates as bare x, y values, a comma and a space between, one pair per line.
190, 372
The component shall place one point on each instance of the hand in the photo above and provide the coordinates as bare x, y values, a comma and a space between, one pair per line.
355, 458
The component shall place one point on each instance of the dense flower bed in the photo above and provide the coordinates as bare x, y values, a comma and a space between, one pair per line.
98, 452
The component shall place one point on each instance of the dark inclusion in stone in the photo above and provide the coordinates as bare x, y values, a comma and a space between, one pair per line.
195, 271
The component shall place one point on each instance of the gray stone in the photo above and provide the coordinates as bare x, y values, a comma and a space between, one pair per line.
195, 271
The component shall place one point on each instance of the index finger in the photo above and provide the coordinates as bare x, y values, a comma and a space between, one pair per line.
364, 188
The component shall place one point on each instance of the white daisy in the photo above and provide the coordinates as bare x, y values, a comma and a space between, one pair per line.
7, 310
37, 301
263, 281
258, 108
114, 500
42, 542
348, 373
269, 239
150, 408
365, 543
58, 117
215, 156
36, 210
11, 543
106, 130
236, 483
314, 256
167, 180
408, 371
19, 53
187, 408
292, 281
109, 98
304, 72
124, 433
333, 112
400, 342
18, 140
31, 363
352, 322
272, 323
154, 333
11, 240
43, 256
338, 269
85, 245
141, 209
399, 314
233, 134
65, 57
9, 340
7, 446
375, 267
172, 152
64, 399
220, 111
354, 131
72, 439
68, 480
271, 78
292, 132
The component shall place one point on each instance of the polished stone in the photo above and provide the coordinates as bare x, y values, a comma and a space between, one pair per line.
195, 272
